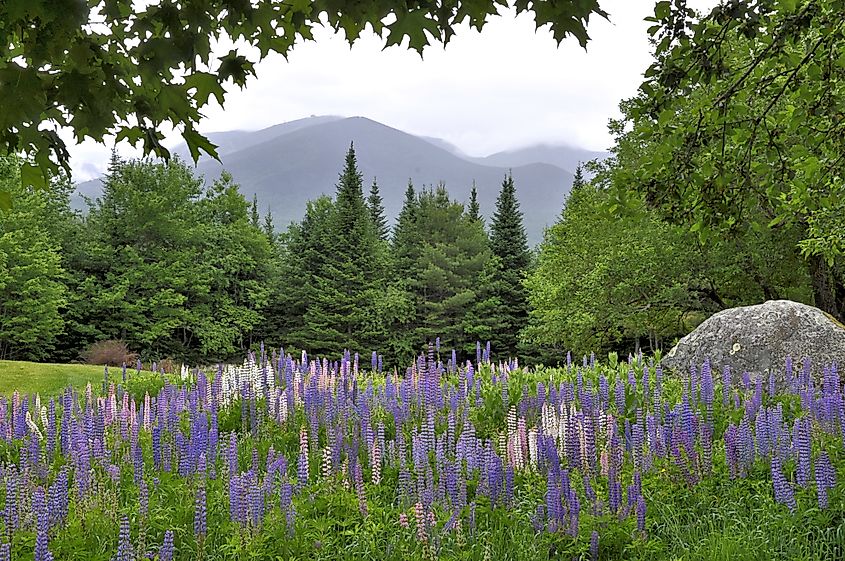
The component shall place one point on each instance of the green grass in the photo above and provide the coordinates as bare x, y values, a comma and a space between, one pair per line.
46, 379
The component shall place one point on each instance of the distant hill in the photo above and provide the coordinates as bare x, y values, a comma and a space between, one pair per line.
562, 156
288, 164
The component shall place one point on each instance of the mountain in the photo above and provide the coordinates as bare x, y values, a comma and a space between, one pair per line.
560, 155
289, 164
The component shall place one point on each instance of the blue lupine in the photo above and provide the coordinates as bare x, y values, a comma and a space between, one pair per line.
801, 441
783, 490
124, 543
641, 512
42, 516
165, 553
825, 478
594, 546
200, 512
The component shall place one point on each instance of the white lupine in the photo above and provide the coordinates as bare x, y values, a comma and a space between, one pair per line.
33, 427
283, 407
532, 447
327, 462
147, 405
43, 411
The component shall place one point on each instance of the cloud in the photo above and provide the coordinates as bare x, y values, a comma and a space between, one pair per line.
504, 87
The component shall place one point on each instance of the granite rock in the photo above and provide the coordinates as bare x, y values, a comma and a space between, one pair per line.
758, 339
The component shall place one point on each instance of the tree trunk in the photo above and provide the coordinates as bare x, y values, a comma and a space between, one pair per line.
826, 287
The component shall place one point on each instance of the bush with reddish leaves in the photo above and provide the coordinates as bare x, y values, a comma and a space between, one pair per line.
111, 352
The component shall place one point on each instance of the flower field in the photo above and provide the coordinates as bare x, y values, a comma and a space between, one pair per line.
287, 458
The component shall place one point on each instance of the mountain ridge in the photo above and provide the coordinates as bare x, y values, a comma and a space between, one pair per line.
287, 164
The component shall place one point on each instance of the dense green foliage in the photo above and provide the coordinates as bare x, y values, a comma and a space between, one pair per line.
605, 282
737, 129
31, 274
179, 270
153, 65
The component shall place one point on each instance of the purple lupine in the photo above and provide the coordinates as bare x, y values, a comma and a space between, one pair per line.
235, 497
619, 390
802, 444
166, 551
707, 386
783, 490
42, 537
554, 506
825, 478
124, 543
6, 552
594, 546
200, 512
143, 498
10, 512
641, 512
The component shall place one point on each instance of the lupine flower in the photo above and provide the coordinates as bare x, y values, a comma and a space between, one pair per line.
783, 490
803, 450
200, 512
166, 551
825, 478
421, 522
42, 538
594, 546
124, 544
641, 512
302, 460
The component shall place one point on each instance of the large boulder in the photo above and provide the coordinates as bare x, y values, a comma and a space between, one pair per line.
758, 339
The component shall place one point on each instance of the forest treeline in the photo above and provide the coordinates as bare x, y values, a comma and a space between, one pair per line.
195, 273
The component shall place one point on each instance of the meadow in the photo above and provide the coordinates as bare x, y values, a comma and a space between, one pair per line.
296, 458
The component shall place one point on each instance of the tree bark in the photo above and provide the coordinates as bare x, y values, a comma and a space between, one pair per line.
826, 288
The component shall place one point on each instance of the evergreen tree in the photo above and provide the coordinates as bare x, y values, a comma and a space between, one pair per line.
268, 228
452, 253
578, 179
253, 212
405, 243
350, 278
510, 247
376, 206
474, 209
302, 250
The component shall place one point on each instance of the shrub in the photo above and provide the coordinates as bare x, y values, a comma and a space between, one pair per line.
111, 352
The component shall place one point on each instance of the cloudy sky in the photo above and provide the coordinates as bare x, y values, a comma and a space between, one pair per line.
506, 87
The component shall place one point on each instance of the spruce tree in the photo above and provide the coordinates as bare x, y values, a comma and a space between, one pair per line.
510, 248
376, 206
253, 212
578, 179
474, 209
268, 228
405, 243
349, 279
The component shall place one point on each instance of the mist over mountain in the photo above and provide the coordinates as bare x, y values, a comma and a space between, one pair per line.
288, 164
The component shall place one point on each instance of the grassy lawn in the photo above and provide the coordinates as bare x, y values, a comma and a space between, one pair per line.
47, 379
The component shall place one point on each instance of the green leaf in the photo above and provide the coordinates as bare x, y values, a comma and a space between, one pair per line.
197, 142
661, 9
414, 24
5, 201
33, 176
206, 85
